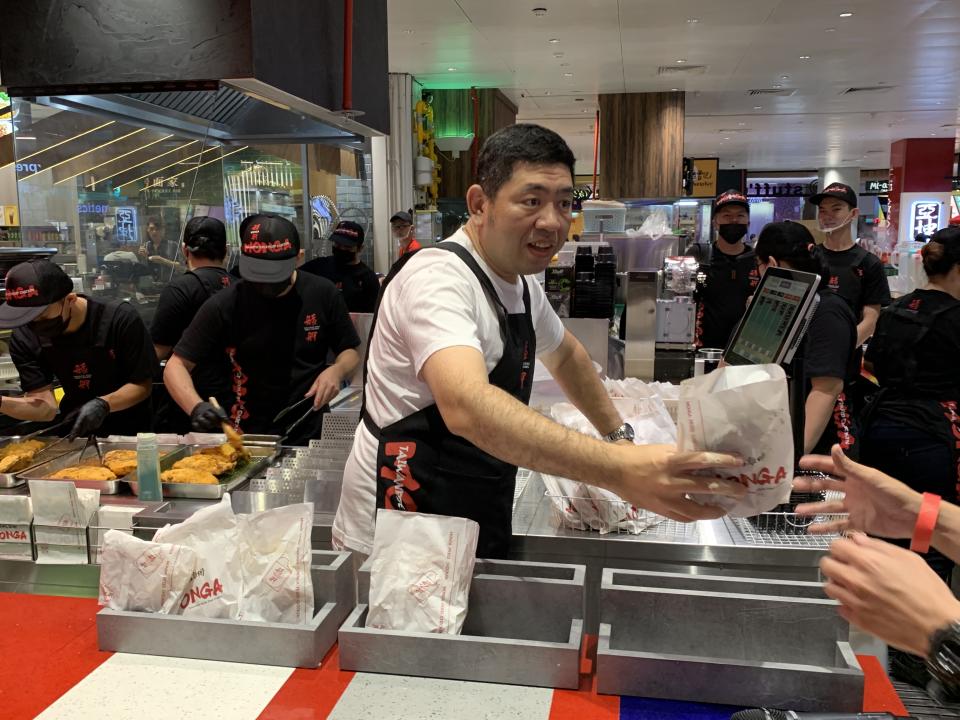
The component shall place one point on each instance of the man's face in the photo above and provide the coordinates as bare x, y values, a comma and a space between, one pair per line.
401, 229
154, 232
527, 222
732, 214
833, 212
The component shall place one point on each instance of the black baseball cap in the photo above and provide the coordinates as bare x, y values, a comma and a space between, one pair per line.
403, 217
347, 233
269, 248
836, 190
207, 234
30, 287
730, 197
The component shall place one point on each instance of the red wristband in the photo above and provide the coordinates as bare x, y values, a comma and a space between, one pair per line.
926, 522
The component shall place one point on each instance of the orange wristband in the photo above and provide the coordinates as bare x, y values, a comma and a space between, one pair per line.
926, 522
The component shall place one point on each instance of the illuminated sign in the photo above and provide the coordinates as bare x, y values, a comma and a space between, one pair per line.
780, 189
126, 228
925, 217
93, 208
877, 186
705, 171
33, 167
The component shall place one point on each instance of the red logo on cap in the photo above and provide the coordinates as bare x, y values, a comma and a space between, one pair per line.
264, 248
22, 293
346, 231
836, 188
254, 231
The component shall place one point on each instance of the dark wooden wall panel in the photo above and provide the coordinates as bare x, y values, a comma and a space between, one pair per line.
641, 145
454, 107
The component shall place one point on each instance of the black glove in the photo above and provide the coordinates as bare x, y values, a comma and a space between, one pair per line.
206, 418
89, 417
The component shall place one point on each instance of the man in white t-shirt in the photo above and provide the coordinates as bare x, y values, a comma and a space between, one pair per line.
450, 365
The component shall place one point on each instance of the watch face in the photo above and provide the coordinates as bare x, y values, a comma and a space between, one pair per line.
628, 432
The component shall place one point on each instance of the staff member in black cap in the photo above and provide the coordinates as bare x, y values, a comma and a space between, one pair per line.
856, 275
730, 272
204, 249
358, 283
276, 327
99, 351
401, 225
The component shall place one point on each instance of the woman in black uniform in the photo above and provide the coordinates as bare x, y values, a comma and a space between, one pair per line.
823, 363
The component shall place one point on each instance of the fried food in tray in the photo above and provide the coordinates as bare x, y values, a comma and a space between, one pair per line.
205, 462
190, 476
18, 455
229, 452
121, 462
84, 472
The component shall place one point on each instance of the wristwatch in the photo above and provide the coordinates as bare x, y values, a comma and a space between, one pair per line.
624, 432
943, 661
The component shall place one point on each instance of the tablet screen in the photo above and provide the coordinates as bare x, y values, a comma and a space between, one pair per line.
772, 317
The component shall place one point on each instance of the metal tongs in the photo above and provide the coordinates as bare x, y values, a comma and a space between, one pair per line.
91, 440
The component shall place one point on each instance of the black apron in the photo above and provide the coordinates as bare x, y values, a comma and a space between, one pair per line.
89, 371
423, 467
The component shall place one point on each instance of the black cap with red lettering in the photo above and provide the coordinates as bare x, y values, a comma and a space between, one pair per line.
731, 197
347, 233
836, 190
30, 287
269, 247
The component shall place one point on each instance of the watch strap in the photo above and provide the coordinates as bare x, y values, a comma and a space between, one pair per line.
926, 522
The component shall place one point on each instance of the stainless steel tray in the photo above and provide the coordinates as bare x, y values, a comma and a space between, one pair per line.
106, 487
15, 478
262, 455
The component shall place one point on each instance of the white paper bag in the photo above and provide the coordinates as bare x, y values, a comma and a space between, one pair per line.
143, 576
420, 572
214, 534
277, 586
742, 409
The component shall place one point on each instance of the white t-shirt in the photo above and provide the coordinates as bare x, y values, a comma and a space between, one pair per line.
434, 303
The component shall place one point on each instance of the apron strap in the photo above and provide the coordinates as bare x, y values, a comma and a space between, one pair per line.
489, 290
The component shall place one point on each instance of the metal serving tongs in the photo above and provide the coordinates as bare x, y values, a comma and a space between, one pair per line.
91, 440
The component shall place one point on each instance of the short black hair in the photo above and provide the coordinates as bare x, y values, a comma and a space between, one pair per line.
155, 220
521, 143
792, 243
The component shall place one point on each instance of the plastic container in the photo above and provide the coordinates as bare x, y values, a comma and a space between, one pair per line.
148, 468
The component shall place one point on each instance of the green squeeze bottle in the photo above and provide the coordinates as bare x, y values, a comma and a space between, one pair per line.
148, 468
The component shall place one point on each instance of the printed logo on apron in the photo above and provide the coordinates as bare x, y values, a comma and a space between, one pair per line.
398, 495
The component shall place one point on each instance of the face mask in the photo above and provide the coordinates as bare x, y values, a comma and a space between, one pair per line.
343, 257
732, 232
50, 328
841, 226
269, 290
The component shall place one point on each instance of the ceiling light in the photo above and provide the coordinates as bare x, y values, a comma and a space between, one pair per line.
804, 57
777, 87
409, 31
451, 69
558, 55
830, 30
846, 14
539, 11
933, 134
142, 162
25, 137
758, 107
784, 77
681, 61
568, 74
741, 124
726, 138
553, 40
196, 167
74, 137
585, 110
114, 159
674, 89
693, 21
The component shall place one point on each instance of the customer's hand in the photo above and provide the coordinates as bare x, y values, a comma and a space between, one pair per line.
89, 417
888, 591
877, 503
206, 418
325, 387
659, 478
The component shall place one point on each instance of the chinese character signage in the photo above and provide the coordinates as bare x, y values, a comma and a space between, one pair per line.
924, 217
705, 177
126, 229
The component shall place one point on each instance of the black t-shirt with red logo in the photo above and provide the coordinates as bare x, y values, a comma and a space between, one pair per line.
722, 299
932, 401
275, 347
179, 302
857, 276
358, 283
98, 358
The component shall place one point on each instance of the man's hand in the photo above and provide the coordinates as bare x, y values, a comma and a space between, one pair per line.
89, 418
888, 591
659, 478
877, 503
325, 387
206, 418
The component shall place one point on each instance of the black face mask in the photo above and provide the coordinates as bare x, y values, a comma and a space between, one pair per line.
733, 232
269, 290
343, 257
50, 328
